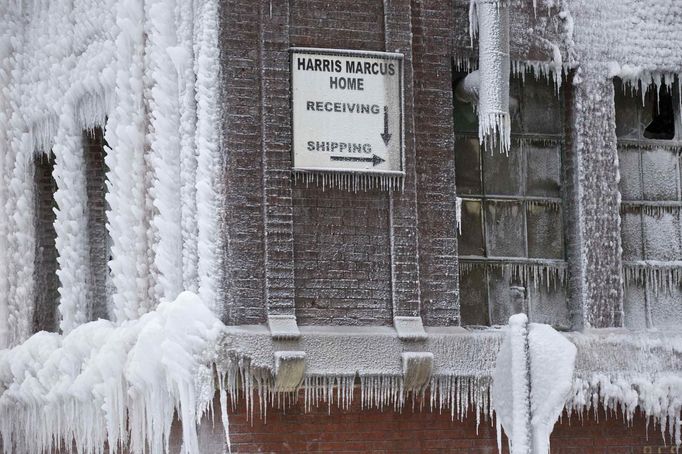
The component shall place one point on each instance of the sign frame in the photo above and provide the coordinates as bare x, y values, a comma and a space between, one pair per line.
399, 58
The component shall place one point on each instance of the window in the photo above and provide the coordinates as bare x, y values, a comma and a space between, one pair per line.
651, 198
511, 247
45, 269
99, 247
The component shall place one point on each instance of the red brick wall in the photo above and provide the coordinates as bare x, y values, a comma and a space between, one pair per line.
326, 255
374, 431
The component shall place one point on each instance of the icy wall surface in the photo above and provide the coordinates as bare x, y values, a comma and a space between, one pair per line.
149, 71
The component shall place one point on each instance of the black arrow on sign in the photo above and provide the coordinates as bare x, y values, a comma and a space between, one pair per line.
374, 159
385, 135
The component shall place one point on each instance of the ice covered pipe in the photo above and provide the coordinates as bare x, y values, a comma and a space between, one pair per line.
491, 19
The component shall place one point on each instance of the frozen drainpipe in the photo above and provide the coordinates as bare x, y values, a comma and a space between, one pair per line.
491, 18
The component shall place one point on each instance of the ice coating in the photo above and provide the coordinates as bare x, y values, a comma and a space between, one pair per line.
101, 379
493, 95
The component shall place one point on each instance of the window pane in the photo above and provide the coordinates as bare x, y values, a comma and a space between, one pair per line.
634, 306
505, 301
627, 111
544, 170
502, 173
666, 308
468, 166
515, 97
631, 234
471, 239
545, 231
540, 107
661, 236
660, 174
504, 229
473, 302
465, 118
548, 304
630, 185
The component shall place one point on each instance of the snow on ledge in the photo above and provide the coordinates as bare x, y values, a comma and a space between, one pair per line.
90, 387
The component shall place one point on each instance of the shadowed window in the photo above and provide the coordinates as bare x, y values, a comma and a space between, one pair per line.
651, 200
511, 246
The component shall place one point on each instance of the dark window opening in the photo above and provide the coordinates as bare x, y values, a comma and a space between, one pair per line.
94, 148
45, 267
662, 125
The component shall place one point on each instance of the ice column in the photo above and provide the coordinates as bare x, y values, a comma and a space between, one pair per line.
183, 58
126, 192
208, 159
165, 149
494, 123
71, 223
6, 52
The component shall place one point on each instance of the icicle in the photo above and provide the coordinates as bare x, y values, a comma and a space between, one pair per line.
494, 122
458, 214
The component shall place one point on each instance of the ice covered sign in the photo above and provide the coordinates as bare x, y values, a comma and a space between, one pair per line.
347, 111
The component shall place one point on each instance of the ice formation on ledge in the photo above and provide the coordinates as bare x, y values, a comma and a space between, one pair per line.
91, 386
628, 372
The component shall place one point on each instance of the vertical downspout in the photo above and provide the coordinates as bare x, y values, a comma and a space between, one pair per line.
494, 123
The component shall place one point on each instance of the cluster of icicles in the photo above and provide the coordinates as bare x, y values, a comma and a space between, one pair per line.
256, 387
661, 276
553, 275
351, 181
657, 397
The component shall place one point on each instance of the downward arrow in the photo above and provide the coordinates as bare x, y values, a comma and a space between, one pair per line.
374, 159
385, 135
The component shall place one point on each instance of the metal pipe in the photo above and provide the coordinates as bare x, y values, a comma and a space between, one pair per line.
494, 123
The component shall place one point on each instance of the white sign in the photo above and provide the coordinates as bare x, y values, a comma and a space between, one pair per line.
347, 111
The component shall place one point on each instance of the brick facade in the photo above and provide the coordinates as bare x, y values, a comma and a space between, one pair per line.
333, 256
358, 430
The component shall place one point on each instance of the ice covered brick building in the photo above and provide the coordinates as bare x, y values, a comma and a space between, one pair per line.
172, 269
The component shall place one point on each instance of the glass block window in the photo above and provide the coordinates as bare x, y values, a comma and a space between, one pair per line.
649, 146
511, 245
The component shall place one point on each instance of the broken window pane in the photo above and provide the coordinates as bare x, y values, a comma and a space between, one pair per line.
627, 111
662, 124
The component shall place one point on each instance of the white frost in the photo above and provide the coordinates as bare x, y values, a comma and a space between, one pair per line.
94, 384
